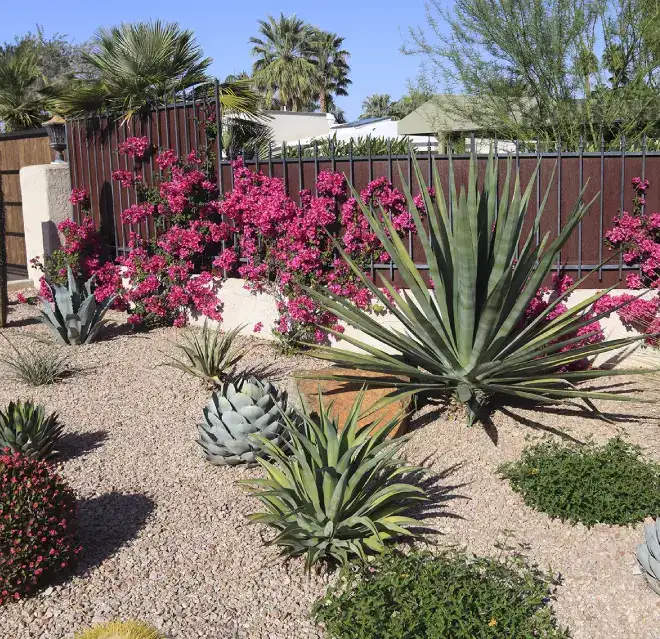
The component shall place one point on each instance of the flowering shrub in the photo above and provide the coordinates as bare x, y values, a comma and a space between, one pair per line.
37, 525
287, 247
160, 272
638, 236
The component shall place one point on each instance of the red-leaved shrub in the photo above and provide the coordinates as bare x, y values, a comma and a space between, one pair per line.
37, 525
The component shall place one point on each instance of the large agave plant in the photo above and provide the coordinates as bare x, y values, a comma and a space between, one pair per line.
334, 492
75, 317
25, 428
648, 555
238, 412
464, 335
209, 354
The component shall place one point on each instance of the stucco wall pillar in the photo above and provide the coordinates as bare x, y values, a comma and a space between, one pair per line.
45, 190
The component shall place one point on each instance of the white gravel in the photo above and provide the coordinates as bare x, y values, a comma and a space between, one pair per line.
165, 536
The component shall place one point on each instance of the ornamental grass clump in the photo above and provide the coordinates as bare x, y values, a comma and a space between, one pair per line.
121, 630
35, 364
448, 596
37, 525
334, 493
469, 332
590, 484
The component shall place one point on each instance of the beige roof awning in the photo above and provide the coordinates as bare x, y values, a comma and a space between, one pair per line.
436, 116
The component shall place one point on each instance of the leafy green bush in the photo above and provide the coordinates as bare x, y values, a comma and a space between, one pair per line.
609, 484
449, 596
336, 493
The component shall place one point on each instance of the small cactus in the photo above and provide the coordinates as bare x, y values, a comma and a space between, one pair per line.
648, 555
121, 630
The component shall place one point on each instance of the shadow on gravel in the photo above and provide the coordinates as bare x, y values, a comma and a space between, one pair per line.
108, 522
74, 445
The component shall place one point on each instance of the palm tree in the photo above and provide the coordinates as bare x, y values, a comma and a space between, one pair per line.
284, 60
21, 105
377, 105
331, 67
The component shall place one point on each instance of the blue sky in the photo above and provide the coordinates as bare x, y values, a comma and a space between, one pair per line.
373, 31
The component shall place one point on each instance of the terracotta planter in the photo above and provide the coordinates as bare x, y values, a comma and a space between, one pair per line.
343, 394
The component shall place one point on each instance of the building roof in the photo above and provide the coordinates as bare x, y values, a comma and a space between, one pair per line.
436, 116
355, 123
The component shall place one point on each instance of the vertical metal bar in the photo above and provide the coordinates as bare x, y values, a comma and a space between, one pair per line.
539, 161
186, 132
157, 126
147, 230
196, 121
96, 176
270, 160
623, 192
371, 162
332, 155
112, 187
430, 159
389, 159
581, 178
517, 147
285, 170
176, 125
316, 165
301, 173
218, 139
559, 162
351, 168
473, 145
410, 186
600, 223
643, 167
167, 124
128, 193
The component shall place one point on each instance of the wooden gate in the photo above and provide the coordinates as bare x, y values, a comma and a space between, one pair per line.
23, 148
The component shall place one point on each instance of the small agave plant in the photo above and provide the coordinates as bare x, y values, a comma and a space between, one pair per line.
25, 428
75, 317
336, 493
648, 555
236, 413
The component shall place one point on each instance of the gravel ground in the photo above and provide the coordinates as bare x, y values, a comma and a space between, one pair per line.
165, 536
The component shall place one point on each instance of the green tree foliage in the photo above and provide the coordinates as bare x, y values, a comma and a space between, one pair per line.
331, 68
529, 67
377, 105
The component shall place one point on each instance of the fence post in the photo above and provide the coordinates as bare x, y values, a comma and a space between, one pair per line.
45, 190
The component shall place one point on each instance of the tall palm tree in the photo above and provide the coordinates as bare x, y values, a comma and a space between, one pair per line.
331, 67
284, 60
139, 63
377, 105
21, 105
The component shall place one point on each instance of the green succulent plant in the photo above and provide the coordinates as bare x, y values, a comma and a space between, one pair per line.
25, 428
464, 334
238, 412
210, 354
648, 555
121, 630
75, 317
334, 492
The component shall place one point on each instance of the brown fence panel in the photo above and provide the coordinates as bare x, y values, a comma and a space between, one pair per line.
17, 150
180, 124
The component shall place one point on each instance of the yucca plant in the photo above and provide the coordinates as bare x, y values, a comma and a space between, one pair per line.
333, 493
35, 364
467, 334
121, 630
25, 428
75, 317
210, 354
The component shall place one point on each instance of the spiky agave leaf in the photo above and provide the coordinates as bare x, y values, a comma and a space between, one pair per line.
648, 555
335, 493
210, 354
25, 428
464, 335
121, 630
75, 317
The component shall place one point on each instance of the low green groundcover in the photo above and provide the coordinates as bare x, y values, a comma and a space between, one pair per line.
446, 596
610, 483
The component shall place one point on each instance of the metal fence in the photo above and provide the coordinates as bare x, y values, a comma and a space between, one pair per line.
179, 123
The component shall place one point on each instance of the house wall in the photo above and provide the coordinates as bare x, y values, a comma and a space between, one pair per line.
291, 126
